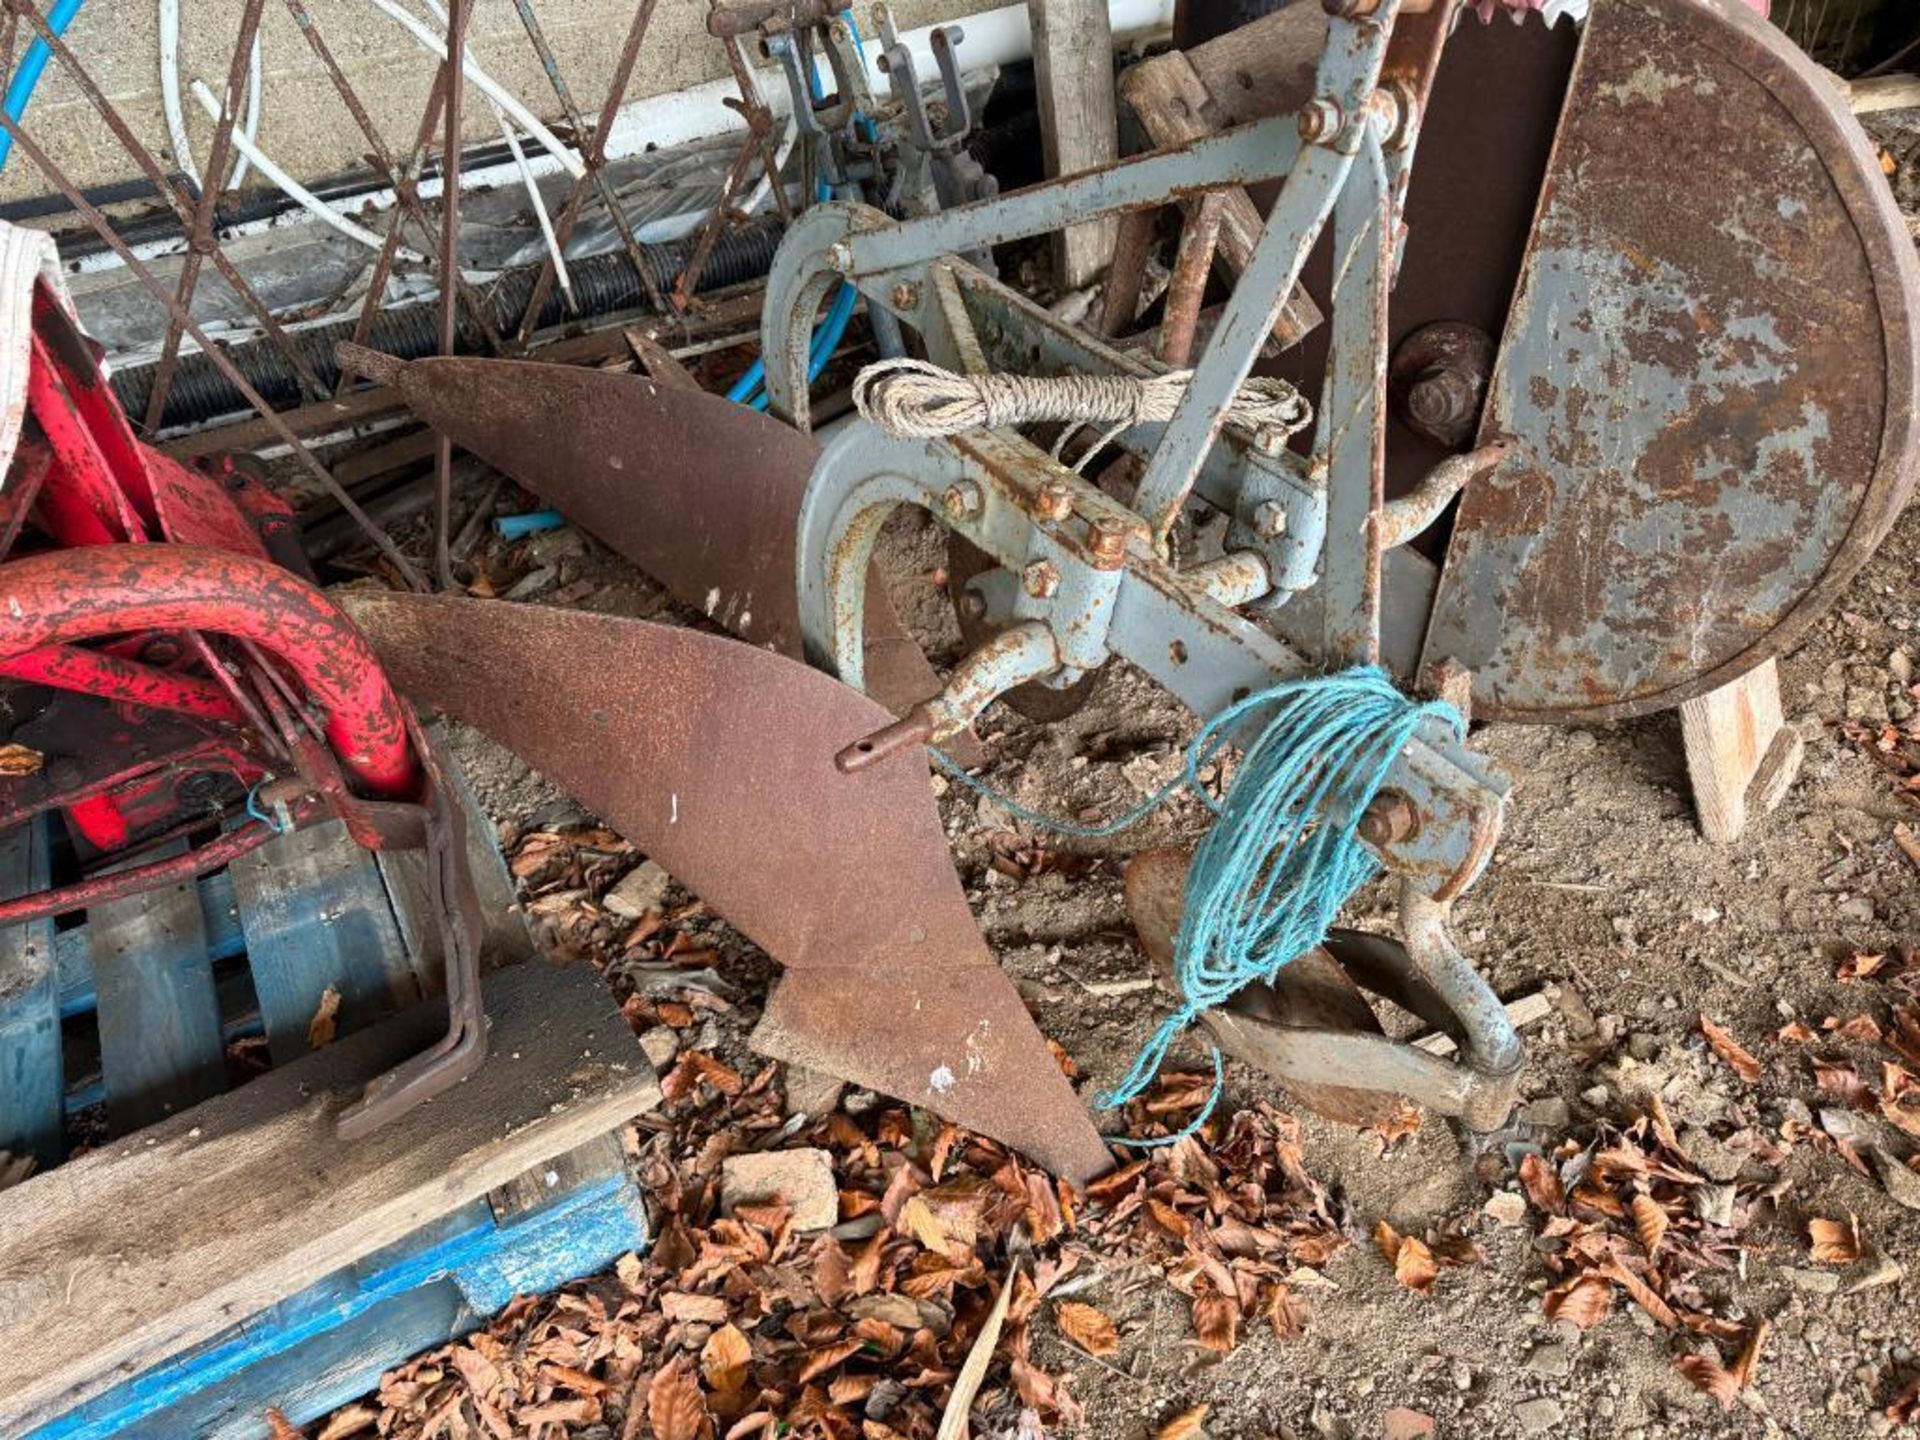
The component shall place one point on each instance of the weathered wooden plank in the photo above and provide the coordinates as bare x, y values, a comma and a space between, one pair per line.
1175, 106
161, 1050
129, 1254
316, 916
1073, 72
31, 1080
224, 941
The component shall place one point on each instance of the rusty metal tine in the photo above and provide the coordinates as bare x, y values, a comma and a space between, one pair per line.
1192, 264
406, 195
161, 182
236, 692
202, 236
750, 98
689, 279
595, 157
596, 165
403, 184
221, 360
459, 12
8, 34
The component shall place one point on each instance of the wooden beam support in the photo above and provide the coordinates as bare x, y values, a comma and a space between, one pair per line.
1073, 71
1740, 754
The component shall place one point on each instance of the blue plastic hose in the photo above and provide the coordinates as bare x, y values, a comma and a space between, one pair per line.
20, 90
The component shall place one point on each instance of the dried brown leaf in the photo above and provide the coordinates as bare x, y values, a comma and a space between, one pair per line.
1584, 1301
326, 1020
1216, 1320
1187, 1425
1086, 1327
1794, 1033
1708, 1374
1169, 1219
1842, 1081
1863, 1028
1649, 1222
1835, 1242
1542, 1184
827, 1356
1641, 1293
17, 760
1412, 1261
1743, 1062
1287, 1312
702, 1309
676, 1408
1861, 965
725, 1357
1748, 1361
278, 1426
343, 1424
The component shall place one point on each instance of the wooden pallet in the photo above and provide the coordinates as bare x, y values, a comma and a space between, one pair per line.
232, 1253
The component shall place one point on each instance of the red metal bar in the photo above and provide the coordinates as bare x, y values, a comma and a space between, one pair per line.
187, 865
94, 672
71, 595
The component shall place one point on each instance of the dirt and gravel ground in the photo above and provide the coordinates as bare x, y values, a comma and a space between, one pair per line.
1604, 897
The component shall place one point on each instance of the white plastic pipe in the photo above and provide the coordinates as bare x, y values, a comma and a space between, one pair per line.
295, 191
177, 136
534, 198
485, 83
698, 112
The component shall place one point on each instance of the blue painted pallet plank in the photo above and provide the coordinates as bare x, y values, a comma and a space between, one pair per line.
161, 1049
224, 941
315, 1351
30, 1065
316, 916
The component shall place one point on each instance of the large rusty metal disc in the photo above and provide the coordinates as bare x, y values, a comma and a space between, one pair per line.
1710, 365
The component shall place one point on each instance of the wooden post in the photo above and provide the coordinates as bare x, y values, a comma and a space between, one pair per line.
1739, 751
1073, 71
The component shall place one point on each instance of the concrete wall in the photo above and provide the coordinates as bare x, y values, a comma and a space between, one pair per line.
304, 127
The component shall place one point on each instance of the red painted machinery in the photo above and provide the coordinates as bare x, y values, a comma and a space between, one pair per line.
191, 692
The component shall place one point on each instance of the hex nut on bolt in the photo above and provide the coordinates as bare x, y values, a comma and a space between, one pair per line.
962, 500
1040, 580
906, 296
1108, 542
1269, 519
840, 256
1320, 120
1055, 501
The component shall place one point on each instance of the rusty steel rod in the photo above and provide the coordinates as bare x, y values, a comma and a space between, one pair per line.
202, 238
163, 184
595, 166
406, 186
1192, 264
222, 362
458, 14
407, 196
754, 107
749, 151
594, 157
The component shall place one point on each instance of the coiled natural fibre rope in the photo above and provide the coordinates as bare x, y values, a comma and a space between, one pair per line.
914, 400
